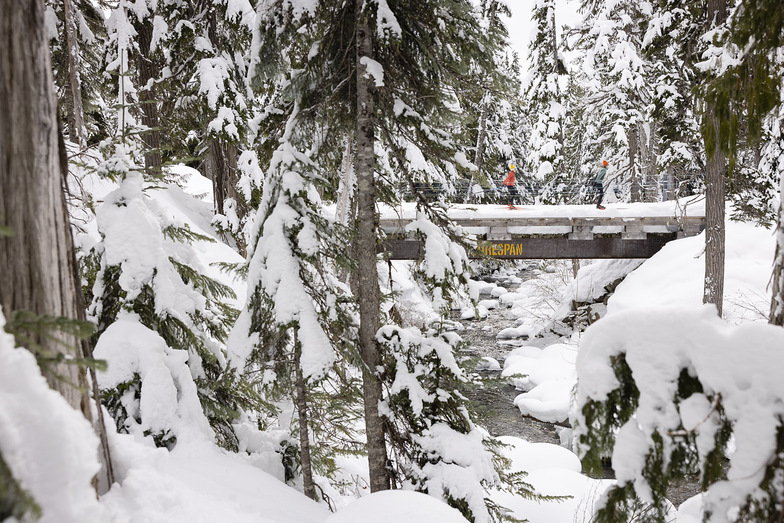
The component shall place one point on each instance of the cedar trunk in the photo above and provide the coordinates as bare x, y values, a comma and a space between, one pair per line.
37, 262
302, 411
636, 192
220, 166
714, 189
76, 112
148, 73
777, 281
369, 293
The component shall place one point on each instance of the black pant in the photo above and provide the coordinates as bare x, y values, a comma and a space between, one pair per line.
512, 190
599, 186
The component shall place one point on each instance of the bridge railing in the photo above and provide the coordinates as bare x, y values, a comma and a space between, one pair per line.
583, 228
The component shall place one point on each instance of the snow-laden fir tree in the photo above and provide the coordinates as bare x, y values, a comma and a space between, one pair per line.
674, 27
161, 321
492, 108
618, 92
208, 108
77, 34
666, 394
298, 327
546, 110
333, 74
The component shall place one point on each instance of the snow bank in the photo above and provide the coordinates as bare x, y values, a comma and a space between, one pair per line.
198, 483
50, 448
552, 470
396, 506
674, 276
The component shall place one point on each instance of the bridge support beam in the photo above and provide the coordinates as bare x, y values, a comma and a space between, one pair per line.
542, 248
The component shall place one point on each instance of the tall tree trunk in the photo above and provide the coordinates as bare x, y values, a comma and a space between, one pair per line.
302, 411
777, 280
221, 160
39, 266
148, 73
37, 261
633, 167
556, 72
367, 221
480, 147
220, 165
714, 189
76, 110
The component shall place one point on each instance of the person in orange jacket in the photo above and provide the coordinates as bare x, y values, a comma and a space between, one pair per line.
509, 183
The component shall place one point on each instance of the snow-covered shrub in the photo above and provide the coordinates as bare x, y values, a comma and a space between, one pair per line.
145, 270
663, 392
436, 447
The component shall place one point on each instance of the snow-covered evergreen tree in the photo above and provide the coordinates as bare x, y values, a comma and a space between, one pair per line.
161, 321
546, 109
619, 95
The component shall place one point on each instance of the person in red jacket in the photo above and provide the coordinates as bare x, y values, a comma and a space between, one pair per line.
509, 183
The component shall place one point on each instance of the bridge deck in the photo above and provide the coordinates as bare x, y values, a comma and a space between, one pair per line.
550, 232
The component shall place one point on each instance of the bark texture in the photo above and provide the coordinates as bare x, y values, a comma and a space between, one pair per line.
777, 280
147, 72
369, 294
636, 190
37, 262
715, 170
76, 110
220, 166
301, 399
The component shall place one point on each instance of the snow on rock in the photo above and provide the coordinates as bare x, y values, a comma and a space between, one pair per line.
511, 333
674, 276
50, 448
497, 292
488, 364
471, 313
740, 363
527, 456
396, 506
548, 401
489, 304
509, 298
536, 366
487, 288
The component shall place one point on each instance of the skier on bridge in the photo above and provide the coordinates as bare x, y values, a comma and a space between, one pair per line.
509, 183
598, 184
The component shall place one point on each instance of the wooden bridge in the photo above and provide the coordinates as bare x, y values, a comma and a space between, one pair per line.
630, 231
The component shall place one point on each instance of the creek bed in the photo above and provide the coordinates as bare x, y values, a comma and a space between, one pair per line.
492, 400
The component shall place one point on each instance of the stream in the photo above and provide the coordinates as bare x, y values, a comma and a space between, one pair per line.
492, 400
